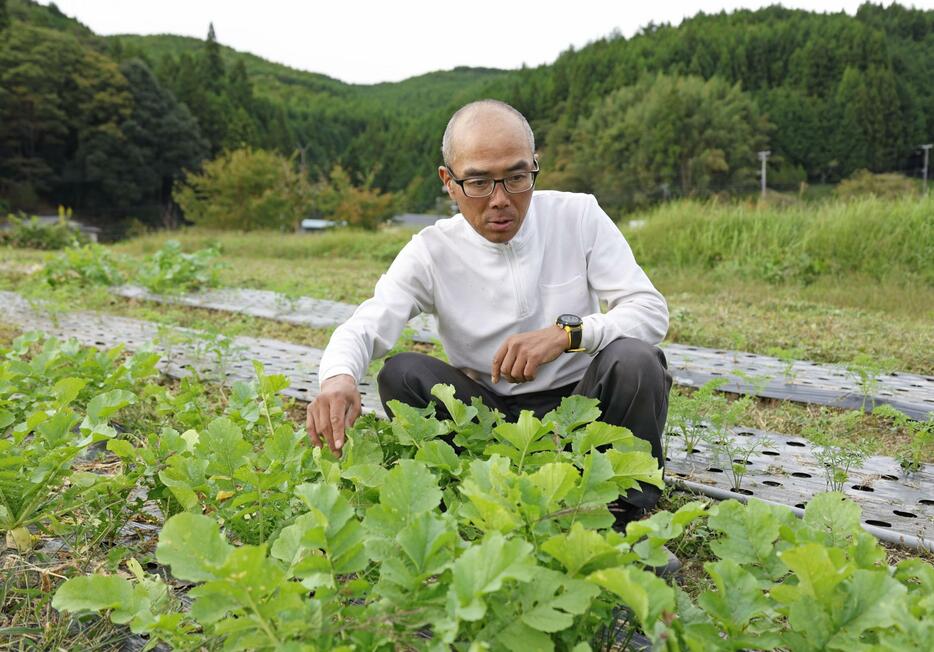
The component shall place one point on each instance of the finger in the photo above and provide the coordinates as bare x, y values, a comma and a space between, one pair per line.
518, 368
310, 424
531, 368
338, 411
497, 361
505, 367
350, 416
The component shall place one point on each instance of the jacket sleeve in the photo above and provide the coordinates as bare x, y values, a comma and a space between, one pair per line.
636, 308
401, 293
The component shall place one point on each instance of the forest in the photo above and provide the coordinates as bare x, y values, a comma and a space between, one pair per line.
107, 126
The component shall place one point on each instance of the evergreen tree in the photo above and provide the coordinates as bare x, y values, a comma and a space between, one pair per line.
212, 63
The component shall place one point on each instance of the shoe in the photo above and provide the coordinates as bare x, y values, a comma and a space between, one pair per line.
671, 568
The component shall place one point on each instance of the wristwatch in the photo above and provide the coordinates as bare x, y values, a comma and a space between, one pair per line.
573, 326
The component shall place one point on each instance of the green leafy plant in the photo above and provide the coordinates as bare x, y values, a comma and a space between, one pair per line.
89, 264
172, 270
34, 233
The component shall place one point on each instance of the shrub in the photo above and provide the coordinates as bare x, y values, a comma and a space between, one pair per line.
33, 233
245, 189
888, 185
364, 206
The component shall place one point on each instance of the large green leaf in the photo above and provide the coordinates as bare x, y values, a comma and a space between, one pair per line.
461, 413
428, 542
412, 427
581, 550
818, 569
738, 598
66, 390
99, 593
749, 534
492, 494
595, 490
409, 489
598, 435
555, 481
632, 467
193, 546
484, 568
573, 412
440, 455
222, 444
832, 519
525, 436
102, 406
648, 596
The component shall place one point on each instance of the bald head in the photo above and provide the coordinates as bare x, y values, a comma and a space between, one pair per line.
480, 114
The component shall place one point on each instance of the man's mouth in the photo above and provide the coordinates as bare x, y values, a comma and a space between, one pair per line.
500, 223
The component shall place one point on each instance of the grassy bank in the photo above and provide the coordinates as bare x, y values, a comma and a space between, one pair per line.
879, 239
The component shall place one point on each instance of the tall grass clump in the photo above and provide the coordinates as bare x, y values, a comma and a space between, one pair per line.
380, 245
876, 237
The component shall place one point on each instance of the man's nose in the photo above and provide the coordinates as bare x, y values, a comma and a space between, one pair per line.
500, 198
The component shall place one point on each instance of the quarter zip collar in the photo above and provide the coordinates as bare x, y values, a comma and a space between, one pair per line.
517, 242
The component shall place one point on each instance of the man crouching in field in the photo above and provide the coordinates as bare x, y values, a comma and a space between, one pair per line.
515, 280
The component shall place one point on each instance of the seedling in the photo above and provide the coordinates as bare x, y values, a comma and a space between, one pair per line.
686, 414
867, 369
723, 415
787, 357
911, 455
837, 454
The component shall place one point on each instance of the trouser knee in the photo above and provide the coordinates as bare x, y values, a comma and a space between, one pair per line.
635, 364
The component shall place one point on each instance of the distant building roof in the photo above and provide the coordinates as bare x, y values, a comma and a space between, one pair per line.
75, 224
311, 224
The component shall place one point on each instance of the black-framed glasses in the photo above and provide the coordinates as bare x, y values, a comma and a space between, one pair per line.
477, 187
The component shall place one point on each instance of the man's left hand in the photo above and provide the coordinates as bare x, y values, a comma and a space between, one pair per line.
520, 356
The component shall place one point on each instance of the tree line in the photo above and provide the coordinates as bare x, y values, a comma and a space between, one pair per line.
110, 125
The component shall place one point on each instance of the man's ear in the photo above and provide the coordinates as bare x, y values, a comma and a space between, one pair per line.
445, 180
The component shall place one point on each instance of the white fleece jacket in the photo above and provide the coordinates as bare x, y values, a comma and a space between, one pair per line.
566, 257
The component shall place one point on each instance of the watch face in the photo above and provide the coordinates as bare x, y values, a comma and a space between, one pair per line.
570, 320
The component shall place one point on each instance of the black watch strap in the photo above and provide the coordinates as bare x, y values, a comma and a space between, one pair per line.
573, 326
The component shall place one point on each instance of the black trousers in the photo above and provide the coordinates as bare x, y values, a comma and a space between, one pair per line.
629, 377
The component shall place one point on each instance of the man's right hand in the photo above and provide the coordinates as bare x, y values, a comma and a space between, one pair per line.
335, 409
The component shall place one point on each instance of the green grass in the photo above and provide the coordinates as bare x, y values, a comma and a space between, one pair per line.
831, 321
340, 243
877, 238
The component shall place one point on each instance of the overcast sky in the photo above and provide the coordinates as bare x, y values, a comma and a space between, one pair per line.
368, 41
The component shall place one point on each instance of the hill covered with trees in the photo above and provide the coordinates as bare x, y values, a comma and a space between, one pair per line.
106, 125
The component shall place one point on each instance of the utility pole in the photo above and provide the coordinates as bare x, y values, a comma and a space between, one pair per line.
927, 151
763, 156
